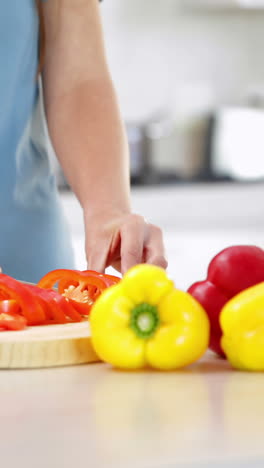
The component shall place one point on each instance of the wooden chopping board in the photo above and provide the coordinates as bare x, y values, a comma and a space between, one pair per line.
47, 346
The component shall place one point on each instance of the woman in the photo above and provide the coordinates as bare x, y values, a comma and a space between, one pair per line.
64, 38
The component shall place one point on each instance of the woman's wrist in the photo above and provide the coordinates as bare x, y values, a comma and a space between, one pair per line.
107, 210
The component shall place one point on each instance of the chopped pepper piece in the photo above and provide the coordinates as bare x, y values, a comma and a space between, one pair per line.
145, 321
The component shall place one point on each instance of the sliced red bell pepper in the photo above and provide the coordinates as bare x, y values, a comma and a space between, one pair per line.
109, 279
57, 308
9, 306
113, 279
10, 317
64, 305
30, 307
230, 272
3, 296
12, 322
44, 303
75, 277
80, 288
83, 308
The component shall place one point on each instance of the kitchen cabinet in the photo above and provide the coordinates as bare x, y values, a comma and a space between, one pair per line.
224, 4
197, 220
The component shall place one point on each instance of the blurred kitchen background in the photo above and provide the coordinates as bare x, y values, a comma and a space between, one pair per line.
190, 79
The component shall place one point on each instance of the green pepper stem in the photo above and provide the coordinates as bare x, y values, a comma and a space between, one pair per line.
144, 320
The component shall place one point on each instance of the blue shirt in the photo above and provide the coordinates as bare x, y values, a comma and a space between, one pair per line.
34, 236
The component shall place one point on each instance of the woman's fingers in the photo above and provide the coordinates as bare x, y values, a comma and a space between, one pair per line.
154, 248
97, 260
128, 241
97, 251
142, 243
133, 235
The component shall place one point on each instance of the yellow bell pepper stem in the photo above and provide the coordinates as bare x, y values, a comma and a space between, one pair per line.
145, 321
242, 322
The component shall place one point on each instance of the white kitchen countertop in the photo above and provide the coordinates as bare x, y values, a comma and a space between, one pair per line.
202, 417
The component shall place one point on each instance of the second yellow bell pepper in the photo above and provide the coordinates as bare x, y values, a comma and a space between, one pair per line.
145, 321
242, 322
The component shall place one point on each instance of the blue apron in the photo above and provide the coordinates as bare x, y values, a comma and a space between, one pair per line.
34, 236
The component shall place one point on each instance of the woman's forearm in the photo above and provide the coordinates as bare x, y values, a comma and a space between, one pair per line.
89, 139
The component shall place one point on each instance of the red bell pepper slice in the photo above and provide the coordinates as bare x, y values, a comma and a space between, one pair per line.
72, 289
37, 292
113, 279
10, 318
109, 279
80, 288
81, 308
57, 308
14, 322
30, 307
75, 277
9, 306
64, 305
230, 272
3, 296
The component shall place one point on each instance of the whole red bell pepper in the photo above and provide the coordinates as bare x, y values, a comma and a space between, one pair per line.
230, 272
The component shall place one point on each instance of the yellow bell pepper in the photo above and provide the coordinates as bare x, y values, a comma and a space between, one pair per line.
145, 321
242, 322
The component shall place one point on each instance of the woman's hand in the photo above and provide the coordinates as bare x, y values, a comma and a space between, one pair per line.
122, 241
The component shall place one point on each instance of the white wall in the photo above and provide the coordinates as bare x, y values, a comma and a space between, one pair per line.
160, 54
